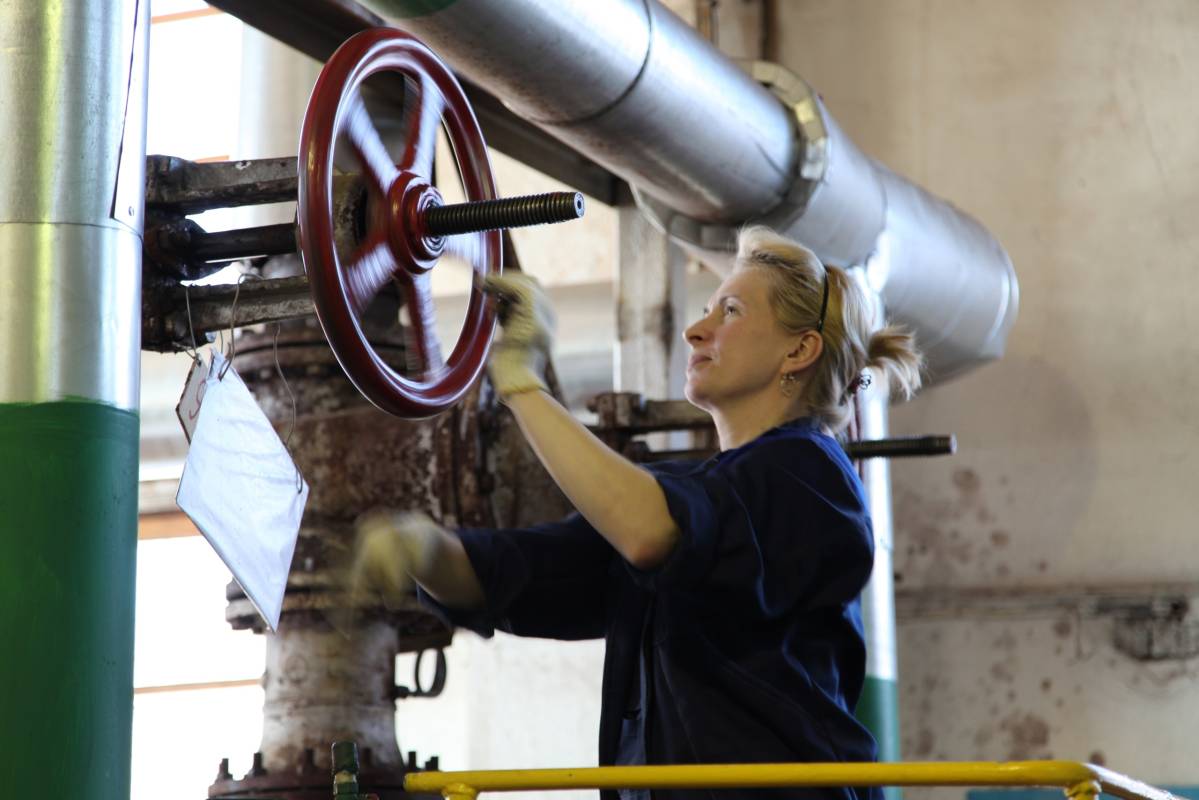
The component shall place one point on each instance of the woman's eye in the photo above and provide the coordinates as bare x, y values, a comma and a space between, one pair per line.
730, 310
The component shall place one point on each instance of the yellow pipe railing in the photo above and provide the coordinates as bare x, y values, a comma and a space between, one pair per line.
1079, 781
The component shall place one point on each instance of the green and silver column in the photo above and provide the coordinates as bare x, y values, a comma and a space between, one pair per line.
878, 708
72, 116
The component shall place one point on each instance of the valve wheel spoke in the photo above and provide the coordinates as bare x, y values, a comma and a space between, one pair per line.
421, 143
418, 295
372, 267
368, 145
470, 247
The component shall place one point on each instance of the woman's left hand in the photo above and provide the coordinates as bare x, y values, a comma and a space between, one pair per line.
519, 357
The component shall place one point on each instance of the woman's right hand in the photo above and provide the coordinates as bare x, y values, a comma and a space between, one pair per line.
392, 551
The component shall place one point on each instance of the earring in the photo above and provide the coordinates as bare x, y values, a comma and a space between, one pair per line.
787, 384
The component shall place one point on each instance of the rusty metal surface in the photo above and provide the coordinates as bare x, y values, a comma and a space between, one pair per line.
632, 413
319, 682
174, 313
304, 779
175, 316
186, 187
467, 467
265, 240
354, 456
318, 27
520, 491
470, 466
320, 686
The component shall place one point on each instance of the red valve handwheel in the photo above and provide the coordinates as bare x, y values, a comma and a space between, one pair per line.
395, 245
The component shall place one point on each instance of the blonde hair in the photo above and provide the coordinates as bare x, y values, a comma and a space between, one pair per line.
851, 343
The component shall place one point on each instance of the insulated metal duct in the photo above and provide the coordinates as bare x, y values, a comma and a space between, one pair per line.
708, 147
628, 84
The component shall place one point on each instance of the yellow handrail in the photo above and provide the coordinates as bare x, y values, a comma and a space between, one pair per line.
1080, 781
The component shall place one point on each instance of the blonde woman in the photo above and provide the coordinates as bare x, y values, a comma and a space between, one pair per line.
727, 590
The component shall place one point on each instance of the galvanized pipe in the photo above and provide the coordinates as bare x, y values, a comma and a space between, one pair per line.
630, 85
941, 272
707, 148
71, 209
72, 116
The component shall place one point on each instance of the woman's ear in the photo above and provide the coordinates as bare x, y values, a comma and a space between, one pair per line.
804, 352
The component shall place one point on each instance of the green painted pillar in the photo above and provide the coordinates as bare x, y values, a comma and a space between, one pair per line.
72, 119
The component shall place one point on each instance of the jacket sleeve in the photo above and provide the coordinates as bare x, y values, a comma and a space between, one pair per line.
547, 581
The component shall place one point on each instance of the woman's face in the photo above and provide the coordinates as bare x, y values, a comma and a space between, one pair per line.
738, 348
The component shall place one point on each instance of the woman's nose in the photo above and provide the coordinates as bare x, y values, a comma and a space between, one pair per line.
695, 333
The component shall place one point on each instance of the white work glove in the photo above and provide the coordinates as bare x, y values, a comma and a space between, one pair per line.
518, 358
390, 548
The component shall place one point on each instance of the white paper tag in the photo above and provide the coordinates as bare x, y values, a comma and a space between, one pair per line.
241, 489
194, 387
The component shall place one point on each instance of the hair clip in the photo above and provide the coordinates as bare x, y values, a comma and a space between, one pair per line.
861, 382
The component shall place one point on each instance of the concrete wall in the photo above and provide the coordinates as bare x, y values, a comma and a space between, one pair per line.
1068, 128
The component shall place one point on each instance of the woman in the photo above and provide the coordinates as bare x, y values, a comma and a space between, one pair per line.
727, 591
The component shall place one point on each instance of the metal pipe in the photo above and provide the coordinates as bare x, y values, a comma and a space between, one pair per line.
878, 707
266, 240
902, 447
317, 27
940, 272
198, 311
72, 116
707, 148
630, 85
185, 187
351, 694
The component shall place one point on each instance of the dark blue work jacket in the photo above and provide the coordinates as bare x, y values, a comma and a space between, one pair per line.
745, 646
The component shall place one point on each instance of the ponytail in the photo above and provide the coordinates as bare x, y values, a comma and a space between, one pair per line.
892, 355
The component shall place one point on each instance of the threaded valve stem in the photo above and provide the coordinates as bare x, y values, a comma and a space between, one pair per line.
510, 212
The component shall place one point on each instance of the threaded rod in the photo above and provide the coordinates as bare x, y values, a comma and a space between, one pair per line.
903, 447
510, 212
